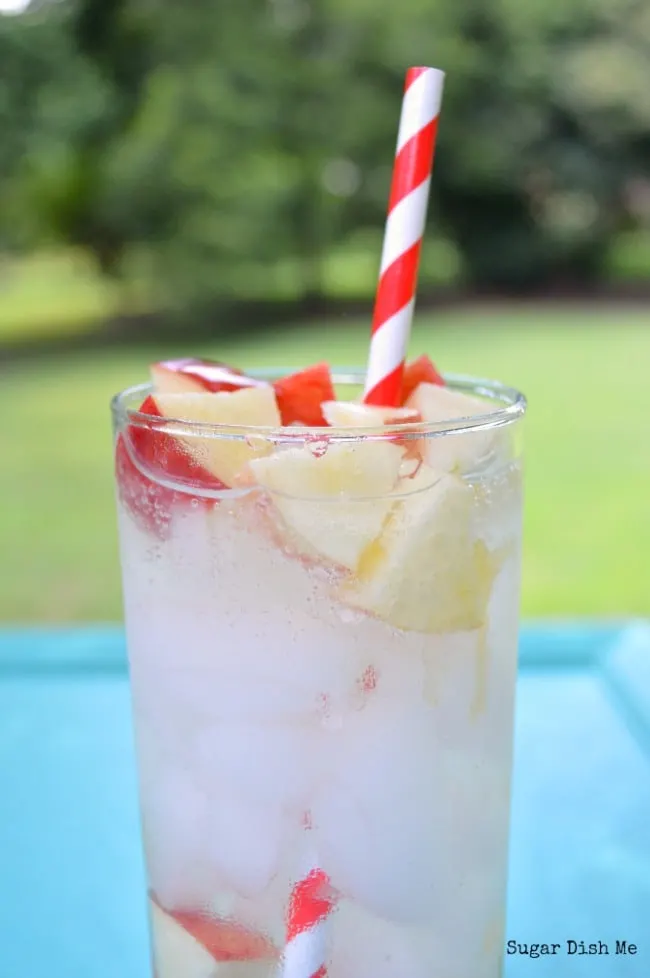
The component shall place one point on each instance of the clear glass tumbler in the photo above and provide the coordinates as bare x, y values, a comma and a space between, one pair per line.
322, 658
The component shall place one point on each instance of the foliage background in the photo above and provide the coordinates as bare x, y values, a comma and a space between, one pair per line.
212, 177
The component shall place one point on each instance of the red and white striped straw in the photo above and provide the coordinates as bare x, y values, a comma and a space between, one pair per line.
407, 210
310, 905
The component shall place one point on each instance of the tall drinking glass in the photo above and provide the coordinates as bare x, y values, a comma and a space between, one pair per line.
322, 658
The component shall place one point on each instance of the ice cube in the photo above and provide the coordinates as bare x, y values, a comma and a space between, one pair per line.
460, 943
214, 822
202, 837
498, 498
238, 627
245, 842
501, 641
175, 829
272, 764
455, 684
403, 819
266, 911
470, 676
366, 946
375, 817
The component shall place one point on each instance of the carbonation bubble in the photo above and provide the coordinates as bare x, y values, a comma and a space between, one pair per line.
318, 446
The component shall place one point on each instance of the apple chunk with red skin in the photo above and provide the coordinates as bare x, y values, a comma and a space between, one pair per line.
299, 395
188, 944
226, 455
144, 452
189, 375
143, 455
422, 370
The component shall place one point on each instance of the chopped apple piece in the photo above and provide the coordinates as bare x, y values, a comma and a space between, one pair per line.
335, 502
143, 455
189, 375
427, 571
225, 939
452, 452
419, 371
195, 945
438, 403
168, 379
352, 414
301, 395
177, 954
224, 457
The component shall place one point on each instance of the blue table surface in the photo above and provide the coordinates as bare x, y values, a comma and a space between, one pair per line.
71, 899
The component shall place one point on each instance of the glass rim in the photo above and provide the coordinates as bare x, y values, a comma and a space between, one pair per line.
512, 406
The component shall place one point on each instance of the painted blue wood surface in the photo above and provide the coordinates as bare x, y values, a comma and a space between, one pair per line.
72, 881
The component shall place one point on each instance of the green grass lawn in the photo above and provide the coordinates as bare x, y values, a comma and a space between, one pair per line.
587, 544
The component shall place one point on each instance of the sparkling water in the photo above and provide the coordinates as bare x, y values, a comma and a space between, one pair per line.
273, 719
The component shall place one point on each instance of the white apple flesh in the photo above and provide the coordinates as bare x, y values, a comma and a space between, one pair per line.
227, 454
192, 376
461, 452
427, 571
168, 380
333, 503
352, 414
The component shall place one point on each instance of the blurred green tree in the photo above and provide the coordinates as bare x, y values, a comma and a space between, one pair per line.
230, 146
280, 116
72, 86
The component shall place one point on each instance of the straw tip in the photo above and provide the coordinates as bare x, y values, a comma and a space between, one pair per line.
416, 70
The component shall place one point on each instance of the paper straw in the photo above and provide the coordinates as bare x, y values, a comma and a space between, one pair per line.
310, 905
407, 210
